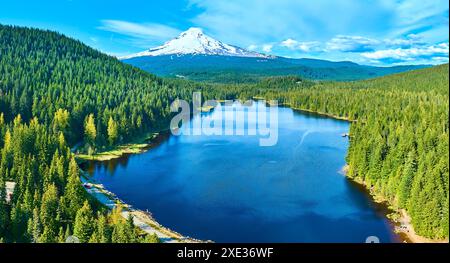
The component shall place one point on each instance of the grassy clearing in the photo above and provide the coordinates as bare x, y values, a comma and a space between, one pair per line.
139, 146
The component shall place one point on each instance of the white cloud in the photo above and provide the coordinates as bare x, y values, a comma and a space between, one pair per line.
253, 21
354, 44
409, 41
410, 49
145, 31
434, 52
289, 43
351, 44
309, 46
344, 28
440, 60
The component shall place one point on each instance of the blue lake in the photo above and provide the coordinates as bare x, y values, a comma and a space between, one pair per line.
229, 189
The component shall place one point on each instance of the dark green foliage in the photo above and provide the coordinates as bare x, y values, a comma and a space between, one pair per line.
62, 81
50, 87
84, 227
124, 231
225, 69
153, 238
400, 143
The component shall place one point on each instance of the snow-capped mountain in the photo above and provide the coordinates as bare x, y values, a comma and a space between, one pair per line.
195, 42
196, 56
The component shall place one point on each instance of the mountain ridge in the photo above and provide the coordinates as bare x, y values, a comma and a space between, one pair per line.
230, 69
198, 57
194, 42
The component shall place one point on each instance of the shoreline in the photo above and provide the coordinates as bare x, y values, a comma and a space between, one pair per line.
406, 228
142, 219
140, 146
399, 218
320, 113
285, 104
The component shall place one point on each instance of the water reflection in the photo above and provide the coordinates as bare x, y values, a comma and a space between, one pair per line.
228, 189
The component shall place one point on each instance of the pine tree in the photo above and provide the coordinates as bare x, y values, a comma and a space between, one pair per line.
406, 181
90, 130
130, 229
118, 234
103, 230
62, 141
67, 234
61, 121
112, 131
394, 114
151, 238
74, 192
36, 227
61, 235
83, 227
49, 212
48, 235
4, 217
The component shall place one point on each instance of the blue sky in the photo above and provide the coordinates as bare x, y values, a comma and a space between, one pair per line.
376, 32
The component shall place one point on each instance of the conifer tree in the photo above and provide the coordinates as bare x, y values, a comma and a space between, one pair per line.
112, 131
90, 130
83, 227
74, 192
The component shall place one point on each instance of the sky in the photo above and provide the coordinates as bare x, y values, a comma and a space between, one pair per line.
372, 32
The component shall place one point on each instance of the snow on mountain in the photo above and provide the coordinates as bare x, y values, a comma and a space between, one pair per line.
195, 42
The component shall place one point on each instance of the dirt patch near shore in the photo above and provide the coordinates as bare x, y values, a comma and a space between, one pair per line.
405, 228
399, 218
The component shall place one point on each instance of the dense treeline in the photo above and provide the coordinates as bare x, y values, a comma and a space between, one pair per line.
400, 142
48, 203
234, 70
56, 92
66, 84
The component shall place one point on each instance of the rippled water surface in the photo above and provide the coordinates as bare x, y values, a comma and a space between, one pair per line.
229, 189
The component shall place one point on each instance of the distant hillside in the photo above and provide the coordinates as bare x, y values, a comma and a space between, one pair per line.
43, 71
232, 69
56, 92
399, 146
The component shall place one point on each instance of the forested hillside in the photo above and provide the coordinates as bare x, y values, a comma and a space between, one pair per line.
55, 93
43, 72
227, 69
400, 142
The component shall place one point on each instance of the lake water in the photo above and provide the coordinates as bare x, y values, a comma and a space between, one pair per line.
229, 189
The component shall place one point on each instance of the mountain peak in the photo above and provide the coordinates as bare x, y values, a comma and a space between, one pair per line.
193, 31
194, 42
